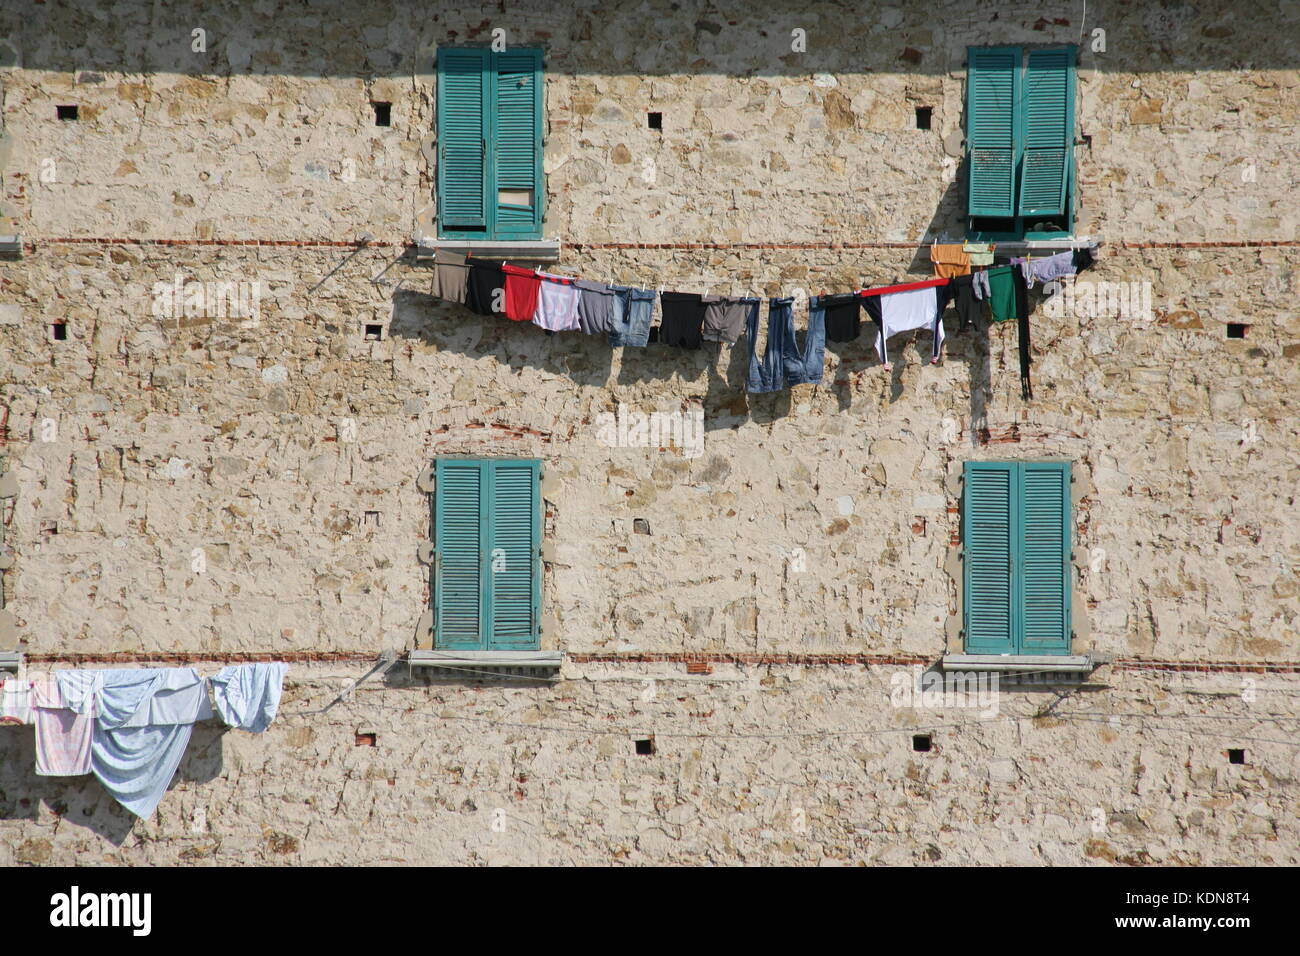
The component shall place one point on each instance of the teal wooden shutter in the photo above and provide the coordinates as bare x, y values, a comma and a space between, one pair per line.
1048, 108
463, 114
992, 129
515, 584
517, 143
459, 541
1044, 578
487, 570
988, 545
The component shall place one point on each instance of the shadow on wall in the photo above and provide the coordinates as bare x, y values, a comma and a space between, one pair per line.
343, 38
82, 801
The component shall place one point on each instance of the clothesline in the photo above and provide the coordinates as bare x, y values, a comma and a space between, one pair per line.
966, 274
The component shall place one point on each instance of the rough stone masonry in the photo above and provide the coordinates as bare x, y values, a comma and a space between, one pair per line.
800, 562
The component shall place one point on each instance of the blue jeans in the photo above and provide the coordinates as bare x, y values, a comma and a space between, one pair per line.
629, 317
783, 364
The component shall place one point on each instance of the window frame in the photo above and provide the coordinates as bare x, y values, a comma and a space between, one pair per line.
493, 230
1017, 606
1015, 228
487, 601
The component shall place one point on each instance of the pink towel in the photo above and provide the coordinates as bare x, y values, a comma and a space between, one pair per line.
62, 737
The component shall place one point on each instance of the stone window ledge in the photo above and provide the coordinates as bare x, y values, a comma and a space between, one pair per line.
488, 665
531, 250
10, 660
1013, 663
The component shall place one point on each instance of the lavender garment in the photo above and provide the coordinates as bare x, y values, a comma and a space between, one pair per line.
1053, 267
557, 304
980, 284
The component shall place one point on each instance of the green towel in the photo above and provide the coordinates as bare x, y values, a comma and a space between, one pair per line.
1002, 293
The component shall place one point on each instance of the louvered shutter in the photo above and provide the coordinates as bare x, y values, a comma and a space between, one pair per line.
1048, 109
988, 545
517, 143
514, 563
463, 110
1045, 558
992, 81
458, 566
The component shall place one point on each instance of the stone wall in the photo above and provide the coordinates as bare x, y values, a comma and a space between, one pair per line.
751, 765
197, 488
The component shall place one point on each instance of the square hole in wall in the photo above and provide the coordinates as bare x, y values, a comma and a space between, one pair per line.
1237, 330
66, 112
921, 743
383, 113
374, 332
645, 746
367, 740
923, 116
1236, 756
59, 331
640, 526
371, 518
654, 120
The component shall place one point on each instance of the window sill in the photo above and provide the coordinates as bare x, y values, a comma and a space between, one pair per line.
1020, 663
531, 250
488, 665
10, 661
1033, 246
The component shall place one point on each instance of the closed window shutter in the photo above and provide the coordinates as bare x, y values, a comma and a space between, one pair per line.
463, 109
1048, 97
1045, 558
988, 543
514, 583
458, 565
992, 81
517, 142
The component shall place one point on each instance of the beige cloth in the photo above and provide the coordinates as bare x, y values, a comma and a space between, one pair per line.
949, 261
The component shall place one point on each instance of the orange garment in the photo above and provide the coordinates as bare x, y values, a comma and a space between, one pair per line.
949, 261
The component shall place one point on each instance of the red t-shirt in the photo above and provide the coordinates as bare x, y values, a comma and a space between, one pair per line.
522, 288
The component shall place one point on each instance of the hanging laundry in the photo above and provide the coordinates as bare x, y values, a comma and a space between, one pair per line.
557, 305
142, 730
682, 324
979, 253
1021, 263
962, 292
629, 321
450, 276
842, 315
783, 363
248, 695
949, 260
16, 702
486, 292
1023, 308
724, 317
522, 288
1001, 292
901, 308
63, 737
595, 306
1058, 266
